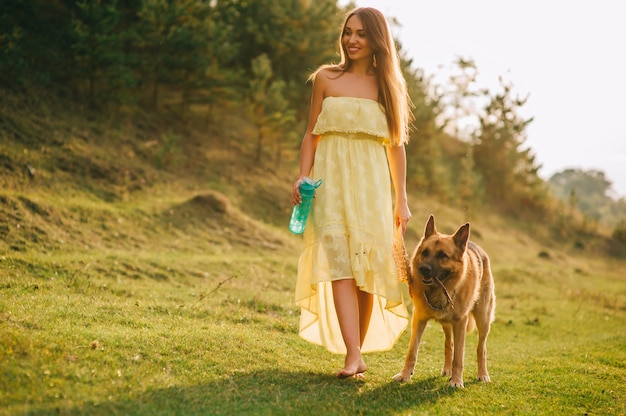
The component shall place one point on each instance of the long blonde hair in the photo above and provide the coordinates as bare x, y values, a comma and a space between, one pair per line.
392, 91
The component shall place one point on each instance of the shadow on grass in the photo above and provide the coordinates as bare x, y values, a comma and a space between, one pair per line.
273, 393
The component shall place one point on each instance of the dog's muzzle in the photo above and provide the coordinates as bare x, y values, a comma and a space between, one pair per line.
426, 273
428, 276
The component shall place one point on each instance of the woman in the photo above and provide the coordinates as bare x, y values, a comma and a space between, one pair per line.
347, 287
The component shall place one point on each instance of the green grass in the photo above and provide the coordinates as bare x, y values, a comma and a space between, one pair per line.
186, 326
132, 286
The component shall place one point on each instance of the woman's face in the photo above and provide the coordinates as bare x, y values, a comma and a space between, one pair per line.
354, 41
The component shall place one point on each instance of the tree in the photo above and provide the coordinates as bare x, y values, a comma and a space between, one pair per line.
34, 42
190, 59
460, 99
268, 108
508, 169
470, 189
591, 189
97, 47
591, 184
171, 40
220, 82
424, 152
13, 51
446, 118
296, 35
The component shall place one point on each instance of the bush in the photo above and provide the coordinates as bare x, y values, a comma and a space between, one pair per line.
619, 233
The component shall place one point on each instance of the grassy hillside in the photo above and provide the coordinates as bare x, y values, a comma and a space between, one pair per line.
146, 268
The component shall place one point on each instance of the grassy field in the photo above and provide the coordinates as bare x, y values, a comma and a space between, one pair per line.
173, 323
127, 288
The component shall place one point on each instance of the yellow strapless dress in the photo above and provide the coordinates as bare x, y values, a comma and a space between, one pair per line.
349, 232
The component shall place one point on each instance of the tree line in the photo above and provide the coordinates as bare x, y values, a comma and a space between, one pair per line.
256, 55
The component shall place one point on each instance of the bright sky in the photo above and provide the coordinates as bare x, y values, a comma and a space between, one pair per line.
569, 55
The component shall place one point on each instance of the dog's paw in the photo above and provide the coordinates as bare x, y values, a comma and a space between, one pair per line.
402, 377
484, 378
446, 372
457, 383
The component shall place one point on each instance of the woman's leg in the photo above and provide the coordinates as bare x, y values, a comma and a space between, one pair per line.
366, 303
347, 306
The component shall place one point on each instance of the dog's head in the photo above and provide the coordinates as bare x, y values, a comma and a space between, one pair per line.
439, 255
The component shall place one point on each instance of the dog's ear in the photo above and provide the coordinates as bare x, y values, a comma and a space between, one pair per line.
430, 228
462, 236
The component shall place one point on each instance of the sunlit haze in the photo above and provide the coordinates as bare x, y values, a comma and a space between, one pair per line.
568, 56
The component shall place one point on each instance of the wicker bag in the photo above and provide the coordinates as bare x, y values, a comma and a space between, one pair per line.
400, 256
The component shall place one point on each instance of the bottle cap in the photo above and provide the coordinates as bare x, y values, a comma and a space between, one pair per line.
308, 184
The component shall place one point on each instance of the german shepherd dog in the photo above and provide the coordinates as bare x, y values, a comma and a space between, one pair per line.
450, 281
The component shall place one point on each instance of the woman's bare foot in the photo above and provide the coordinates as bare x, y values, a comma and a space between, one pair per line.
355, 369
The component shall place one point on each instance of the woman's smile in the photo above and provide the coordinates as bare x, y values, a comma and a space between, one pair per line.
355, 40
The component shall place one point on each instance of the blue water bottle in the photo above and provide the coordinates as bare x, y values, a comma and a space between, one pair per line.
301, 212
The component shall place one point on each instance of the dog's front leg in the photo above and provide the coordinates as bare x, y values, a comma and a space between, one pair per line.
459, 327
417, 330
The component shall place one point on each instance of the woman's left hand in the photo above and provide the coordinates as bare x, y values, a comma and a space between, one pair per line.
402, 215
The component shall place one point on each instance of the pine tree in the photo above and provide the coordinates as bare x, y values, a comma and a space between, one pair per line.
97, 47
508, 168
296, 35
170, 40
268, 108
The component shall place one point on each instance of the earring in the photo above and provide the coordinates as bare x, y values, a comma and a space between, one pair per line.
374, 61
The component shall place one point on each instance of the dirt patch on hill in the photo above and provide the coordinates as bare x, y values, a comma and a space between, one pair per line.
212, 216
